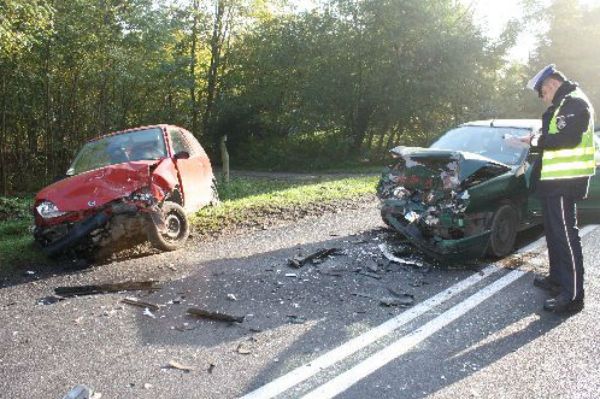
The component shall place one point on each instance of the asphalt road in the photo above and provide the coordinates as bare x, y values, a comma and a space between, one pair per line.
318, 331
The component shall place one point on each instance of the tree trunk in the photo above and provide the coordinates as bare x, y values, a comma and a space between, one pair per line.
216, 43
193, 98
3, 172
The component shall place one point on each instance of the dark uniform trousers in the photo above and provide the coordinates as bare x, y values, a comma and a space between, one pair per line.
564, 244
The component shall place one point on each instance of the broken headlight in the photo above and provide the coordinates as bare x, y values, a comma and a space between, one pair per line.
143, 195
48, 210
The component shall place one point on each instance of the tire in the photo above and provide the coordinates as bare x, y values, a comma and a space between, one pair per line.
503, 231
177, 228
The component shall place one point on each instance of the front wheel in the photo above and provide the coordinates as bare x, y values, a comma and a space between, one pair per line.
504, 231
176, 228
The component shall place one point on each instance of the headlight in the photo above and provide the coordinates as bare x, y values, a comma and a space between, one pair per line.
48, 210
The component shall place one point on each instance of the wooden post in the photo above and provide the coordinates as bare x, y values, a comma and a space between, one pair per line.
225, 159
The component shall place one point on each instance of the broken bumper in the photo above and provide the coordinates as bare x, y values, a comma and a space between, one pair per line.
76, 234
449, 250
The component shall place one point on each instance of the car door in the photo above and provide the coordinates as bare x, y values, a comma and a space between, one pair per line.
194, 172
588, 210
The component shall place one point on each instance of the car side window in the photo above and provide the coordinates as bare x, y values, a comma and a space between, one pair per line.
177, 141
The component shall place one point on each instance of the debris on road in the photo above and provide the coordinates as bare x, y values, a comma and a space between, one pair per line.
173, 364
49, 300
139, 303
291, 275
398, 299
107, 288
293, 319
392, 258
82, 392
369, 274
231, 297
316, 257
211, 367
242, 349
148, 313
214, 315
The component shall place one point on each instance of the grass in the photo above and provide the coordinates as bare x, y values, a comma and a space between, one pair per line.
244, 202
16, 242
255, 201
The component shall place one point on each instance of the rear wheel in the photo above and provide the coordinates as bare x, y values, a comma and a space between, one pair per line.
504, 231
176, 229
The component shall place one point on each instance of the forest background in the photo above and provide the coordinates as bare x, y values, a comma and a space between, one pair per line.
330, 87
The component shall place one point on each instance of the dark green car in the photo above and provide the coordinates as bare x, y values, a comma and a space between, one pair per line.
468, 195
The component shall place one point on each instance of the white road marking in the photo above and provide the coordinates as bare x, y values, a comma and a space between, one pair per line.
306, 371
345, 380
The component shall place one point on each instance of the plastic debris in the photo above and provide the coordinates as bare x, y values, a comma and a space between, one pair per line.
214, 315
139, 303
148, 313
316, 257
82, 392
107, 288
389, 256
231, 297
173, 364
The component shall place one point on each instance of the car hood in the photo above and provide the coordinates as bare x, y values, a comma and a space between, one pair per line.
97, 187
450, 170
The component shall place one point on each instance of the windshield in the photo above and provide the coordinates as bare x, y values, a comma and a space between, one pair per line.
487, 141
148, 144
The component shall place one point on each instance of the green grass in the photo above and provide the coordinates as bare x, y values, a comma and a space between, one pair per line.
16, 242
244, 201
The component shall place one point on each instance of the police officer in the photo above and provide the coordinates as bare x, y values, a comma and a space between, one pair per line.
566, 142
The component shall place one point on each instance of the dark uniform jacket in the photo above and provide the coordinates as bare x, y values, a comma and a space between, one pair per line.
574, 117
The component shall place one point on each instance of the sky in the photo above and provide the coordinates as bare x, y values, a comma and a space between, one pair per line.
492, 16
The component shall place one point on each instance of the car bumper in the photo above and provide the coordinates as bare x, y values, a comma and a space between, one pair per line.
449, 250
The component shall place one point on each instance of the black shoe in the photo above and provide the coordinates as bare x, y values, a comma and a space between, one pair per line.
563, 305
547, 284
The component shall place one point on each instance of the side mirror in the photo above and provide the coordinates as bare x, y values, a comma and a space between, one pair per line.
182, 155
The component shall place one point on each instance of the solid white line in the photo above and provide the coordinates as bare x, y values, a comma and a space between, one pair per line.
306, 371
345, 380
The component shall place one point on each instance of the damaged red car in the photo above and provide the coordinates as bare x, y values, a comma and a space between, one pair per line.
123, 188
468, 194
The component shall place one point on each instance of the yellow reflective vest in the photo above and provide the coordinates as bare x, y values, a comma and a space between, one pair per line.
571, 162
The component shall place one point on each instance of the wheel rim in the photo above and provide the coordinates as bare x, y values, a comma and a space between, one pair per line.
173, 227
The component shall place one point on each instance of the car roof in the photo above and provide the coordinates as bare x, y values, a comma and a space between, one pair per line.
533, 124
133, 129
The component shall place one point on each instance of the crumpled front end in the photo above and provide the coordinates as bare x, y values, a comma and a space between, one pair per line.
426, 196
116, 212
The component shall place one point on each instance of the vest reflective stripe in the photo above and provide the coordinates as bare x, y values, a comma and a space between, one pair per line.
571, 162
574, 152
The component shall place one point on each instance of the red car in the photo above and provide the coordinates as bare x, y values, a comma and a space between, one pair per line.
126, 186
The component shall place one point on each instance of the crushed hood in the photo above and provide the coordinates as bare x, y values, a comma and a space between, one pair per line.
427, 168
97, 187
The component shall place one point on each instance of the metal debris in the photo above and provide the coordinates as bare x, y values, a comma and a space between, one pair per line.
173, 364
107, 288
389, 256
369, 274
139, 303
316, 257
291, 275
214, 315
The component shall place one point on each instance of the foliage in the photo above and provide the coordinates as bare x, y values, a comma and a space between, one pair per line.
339, 84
